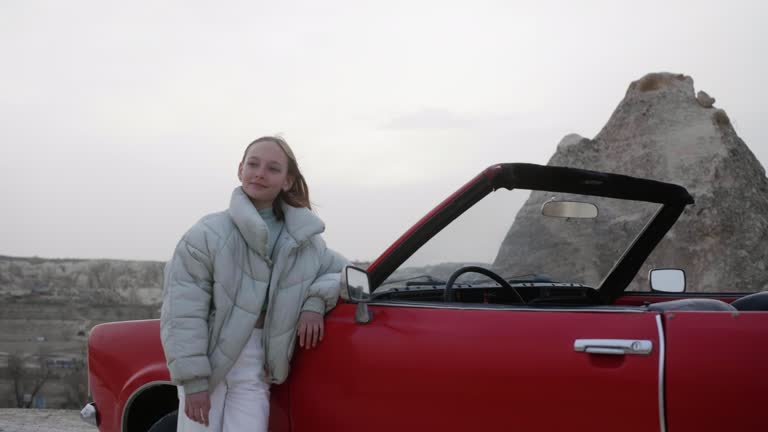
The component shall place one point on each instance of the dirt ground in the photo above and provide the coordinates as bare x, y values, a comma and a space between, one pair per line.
42, 420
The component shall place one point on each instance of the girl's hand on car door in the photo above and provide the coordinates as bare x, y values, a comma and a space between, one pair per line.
310, 329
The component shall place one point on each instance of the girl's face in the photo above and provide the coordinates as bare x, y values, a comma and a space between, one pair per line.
264, 173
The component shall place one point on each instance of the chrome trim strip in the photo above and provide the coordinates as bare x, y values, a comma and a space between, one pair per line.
138, 391
613, 346
612, 309
662, 355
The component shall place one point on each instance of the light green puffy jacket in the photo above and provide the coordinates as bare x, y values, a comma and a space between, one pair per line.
217, 280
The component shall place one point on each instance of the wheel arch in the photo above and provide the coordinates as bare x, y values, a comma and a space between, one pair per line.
148, 404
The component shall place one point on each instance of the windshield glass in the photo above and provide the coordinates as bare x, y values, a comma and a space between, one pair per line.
508, 233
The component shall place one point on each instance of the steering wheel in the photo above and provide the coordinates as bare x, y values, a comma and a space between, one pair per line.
449, 296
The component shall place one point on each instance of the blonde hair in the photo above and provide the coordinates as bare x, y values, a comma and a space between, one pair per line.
298, 194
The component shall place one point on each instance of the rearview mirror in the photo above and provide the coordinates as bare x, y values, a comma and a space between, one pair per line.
569, 209
667, 280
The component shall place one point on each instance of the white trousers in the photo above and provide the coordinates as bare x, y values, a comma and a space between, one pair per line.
241, 401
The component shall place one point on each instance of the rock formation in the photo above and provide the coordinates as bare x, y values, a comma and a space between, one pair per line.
91, 282
662, 131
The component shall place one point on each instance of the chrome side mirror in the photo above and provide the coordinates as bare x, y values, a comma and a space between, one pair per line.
358, 284
359, 290
667, 280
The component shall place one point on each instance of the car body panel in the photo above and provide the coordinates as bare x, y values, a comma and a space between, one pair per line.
717, 371
461, 369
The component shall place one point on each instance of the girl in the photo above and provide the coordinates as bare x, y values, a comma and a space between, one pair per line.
242, 284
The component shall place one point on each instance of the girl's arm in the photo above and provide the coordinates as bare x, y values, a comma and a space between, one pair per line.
324, 291
187, 288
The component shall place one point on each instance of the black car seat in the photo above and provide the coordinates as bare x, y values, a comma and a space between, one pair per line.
691, 305
752, 302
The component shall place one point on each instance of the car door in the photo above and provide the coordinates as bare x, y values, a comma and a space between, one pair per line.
484, 367
716, 370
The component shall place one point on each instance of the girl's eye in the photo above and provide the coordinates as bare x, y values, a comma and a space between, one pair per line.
274, 169
252, 164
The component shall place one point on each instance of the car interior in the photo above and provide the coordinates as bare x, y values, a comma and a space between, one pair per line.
539, 291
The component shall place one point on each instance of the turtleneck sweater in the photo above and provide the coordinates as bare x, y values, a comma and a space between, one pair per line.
275, 227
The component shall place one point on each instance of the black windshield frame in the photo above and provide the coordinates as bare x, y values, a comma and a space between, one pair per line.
673, 199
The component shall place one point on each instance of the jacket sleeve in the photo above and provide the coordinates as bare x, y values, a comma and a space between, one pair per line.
187, 288
324, 290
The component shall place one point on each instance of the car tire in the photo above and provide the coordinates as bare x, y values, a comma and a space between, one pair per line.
166, 424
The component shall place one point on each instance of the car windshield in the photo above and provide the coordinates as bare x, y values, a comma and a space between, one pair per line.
509, 233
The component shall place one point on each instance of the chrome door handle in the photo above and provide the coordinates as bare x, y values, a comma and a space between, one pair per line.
613, 346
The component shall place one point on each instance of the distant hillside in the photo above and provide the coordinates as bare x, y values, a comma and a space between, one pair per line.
81, 281
47, 309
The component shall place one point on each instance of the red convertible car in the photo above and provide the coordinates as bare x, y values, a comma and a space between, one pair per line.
464, 324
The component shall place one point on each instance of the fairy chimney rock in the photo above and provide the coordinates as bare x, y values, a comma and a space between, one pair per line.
661, 130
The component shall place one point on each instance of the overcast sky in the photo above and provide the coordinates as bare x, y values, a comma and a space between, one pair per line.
122, 123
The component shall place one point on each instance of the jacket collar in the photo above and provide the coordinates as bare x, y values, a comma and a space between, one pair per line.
300, 223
